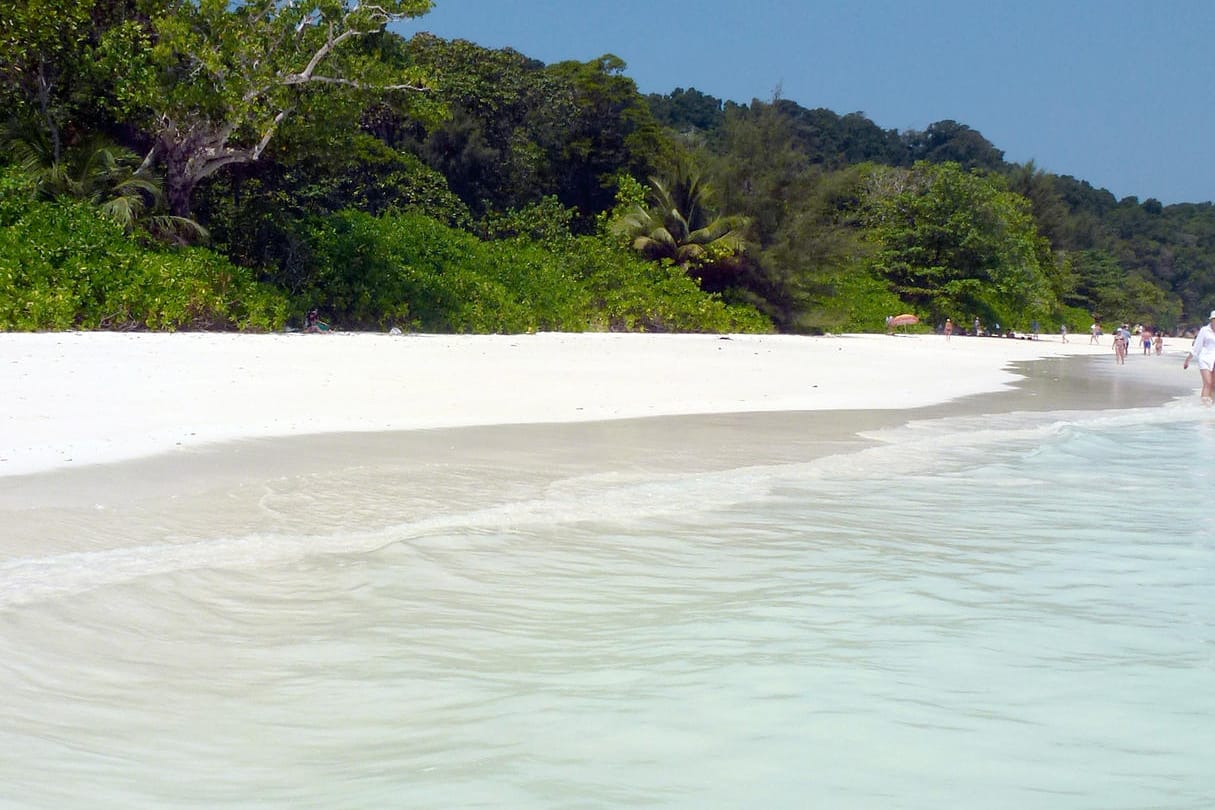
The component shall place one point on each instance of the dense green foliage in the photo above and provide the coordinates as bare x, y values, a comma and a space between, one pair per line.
952, 242
1078, 253
679, 223
62, 266
412, 271
222, 164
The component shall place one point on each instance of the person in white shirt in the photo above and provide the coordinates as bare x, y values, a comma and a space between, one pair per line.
1203, 353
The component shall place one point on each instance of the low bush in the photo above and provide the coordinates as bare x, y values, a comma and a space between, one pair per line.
412, 271
858, 302
64, 266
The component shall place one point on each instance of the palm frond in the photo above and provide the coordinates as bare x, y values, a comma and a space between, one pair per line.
680, 224
176, 229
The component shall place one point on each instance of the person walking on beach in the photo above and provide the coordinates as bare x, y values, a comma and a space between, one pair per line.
948, 328
1203, 353
978, 331
1094, 332
1122, 338
1158, 342
1146, 337
1063, 331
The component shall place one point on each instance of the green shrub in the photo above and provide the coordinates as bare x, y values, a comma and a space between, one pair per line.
629, 293
410, 270
549, 297
64, 266
859, 302
16, 196
404, 269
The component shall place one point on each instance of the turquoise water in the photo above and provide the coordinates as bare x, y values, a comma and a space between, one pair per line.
981, 612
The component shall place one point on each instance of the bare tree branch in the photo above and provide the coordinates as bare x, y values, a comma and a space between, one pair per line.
248, 74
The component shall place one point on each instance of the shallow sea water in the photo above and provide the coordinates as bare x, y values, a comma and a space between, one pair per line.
986, 612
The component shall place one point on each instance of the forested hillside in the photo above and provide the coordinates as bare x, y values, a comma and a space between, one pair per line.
172, 165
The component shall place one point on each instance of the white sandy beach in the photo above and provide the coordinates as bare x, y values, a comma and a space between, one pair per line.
312, 617
74, 399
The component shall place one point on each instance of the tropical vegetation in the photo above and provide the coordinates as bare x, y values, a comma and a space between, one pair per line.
209, 164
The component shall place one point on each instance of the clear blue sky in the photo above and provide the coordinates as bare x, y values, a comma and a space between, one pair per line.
1115, 92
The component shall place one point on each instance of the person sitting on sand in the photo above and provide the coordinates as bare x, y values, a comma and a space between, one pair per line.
1203, 352
313, 322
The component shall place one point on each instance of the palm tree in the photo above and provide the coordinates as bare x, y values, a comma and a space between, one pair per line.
105, 175
680, 225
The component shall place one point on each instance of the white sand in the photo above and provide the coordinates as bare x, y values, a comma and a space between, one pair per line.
78, 398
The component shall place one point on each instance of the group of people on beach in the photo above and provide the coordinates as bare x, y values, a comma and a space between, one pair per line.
948, 330
1202, 351
1149, 338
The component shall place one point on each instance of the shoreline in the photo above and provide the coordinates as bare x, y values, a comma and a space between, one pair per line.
312, 484
83, 399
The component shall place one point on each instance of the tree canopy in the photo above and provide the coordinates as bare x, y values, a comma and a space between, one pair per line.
216, 80
302, 147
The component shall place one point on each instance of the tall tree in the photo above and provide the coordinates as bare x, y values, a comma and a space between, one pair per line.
497, 146
818, 250
687, 110
761, 171
51, 71
520, 130
836, 141
611, 131
1112, 293
951, 142
952, 242
226, 75
1050, 211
